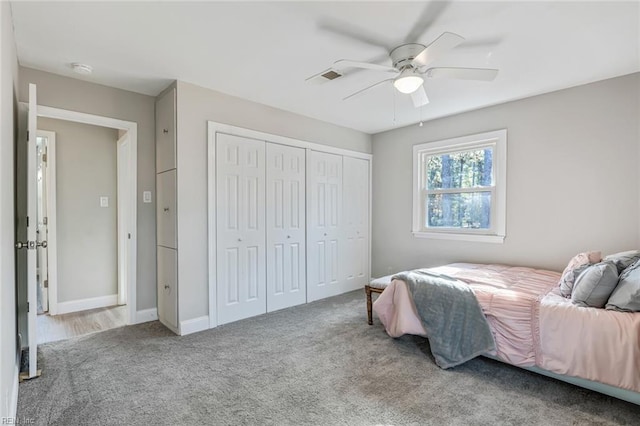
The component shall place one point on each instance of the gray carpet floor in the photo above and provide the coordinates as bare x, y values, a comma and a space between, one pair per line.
317, 364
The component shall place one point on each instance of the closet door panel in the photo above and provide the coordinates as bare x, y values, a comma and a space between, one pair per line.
166, 209
355, 268
324, 215
240, 254
285, 216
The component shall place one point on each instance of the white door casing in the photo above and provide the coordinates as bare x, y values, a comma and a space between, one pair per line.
286, 226
324, 223
42, 143
355, 262
241, 260
123, 150
50, 294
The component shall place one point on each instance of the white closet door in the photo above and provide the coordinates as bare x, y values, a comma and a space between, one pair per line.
286, 272
355, 264
324, 217
241, 269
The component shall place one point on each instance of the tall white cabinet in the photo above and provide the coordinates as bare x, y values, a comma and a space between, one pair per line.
166, 210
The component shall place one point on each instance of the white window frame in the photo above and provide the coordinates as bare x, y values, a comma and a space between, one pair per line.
498, 141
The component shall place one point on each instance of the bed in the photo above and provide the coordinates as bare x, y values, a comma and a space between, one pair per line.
532, 324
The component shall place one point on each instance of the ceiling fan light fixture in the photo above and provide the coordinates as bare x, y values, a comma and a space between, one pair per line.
408, 82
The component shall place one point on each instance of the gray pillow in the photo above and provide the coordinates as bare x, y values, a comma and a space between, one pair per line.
626, 296
623, 259
594, 286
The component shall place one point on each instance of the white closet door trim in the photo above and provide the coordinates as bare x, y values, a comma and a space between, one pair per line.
214, 127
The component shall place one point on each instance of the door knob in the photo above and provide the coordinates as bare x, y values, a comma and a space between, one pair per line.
166, 209
21, 245
42, 244
165, 131
288, 236
239, 239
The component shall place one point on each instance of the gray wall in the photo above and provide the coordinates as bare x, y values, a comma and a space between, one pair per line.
76, 95
573, 181
197, 105
87, 245
8, 127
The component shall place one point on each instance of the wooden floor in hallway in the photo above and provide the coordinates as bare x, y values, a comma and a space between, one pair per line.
52, 328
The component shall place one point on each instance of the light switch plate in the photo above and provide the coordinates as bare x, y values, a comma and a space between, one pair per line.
146, 197
104, 201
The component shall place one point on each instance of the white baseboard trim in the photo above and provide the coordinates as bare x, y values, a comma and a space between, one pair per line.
194, 325
146, 315
84, 304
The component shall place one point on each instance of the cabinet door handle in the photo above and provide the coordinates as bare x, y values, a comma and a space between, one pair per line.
166, 286
239, 240
288, 236
165, 131
166, 209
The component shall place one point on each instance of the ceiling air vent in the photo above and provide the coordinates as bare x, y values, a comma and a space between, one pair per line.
331, 75
324, 76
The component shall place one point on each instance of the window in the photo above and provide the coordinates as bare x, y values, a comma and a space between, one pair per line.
460, 188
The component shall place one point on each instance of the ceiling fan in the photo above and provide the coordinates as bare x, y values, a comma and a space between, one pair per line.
410, 60
411, 67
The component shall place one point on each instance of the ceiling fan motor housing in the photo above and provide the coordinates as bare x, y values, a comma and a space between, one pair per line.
402, 56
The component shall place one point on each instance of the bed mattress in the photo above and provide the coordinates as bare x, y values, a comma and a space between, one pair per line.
533, 325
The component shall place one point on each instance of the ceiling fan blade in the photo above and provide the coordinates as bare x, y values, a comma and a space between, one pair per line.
366, 88
437, 48
481, 43
429, 15
353, 32
482, 74
419, 97
345, 63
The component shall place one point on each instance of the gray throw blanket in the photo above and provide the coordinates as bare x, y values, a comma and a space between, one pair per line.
451, 315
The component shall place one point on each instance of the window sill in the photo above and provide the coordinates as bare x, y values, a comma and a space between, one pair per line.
478, 238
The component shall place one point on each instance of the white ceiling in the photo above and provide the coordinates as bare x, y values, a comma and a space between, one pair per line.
263, 51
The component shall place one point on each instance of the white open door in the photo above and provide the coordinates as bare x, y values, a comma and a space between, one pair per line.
32, 225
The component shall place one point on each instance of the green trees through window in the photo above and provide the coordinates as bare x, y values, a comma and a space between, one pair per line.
459, 189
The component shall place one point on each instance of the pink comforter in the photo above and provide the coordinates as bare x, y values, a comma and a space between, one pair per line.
533, 325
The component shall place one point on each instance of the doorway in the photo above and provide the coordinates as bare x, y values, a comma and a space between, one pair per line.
26, 207
82, 208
